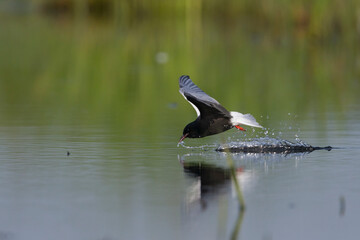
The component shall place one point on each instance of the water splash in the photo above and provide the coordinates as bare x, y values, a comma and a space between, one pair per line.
268, 145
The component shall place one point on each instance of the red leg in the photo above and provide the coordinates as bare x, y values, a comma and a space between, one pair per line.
240, 128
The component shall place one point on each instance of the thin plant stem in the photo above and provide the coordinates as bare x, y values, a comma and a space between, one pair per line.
236, 183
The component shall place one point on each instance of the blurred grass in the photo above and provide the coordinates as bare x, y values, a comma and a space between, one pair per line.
319, 18
253, 56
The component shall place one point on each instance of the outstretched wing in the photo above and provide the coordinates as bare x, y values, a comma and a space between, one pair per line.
203, 104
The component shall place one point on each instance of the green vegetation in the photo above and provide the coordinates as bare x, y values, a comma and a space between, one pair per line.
252, 56
318, 18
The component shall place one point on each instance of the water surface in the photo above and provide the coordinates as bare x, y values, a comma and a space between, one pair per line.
139, 186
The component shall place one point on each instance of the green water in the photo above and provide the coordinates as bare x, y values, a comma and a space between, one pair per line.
107, 93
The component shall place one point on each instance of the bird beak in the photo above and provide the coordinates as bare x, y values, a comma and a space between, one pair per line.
183, 137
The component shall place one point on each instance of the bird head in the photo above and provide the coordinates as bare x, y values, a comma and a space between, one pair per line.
190, 131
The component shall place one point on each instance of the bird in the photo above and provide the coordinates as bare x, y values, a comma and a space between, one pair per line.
212, 117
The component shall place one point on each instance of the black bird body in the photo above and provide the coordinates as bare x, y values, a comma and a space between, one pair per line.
202, 128
212, 117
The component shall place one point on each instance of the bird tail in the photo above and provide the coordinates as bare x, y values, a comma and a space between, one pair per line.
244, 119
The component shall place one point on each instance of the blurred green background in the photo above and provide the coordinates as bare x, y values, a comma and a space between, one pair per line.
85, 60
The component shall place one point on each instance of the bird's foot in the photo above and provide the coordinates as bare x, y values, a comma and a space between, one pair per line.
240, 128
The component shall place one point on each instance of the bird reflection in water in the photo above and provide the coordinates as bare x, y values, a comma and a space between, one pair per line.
211, 191
213, 180
213, 187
